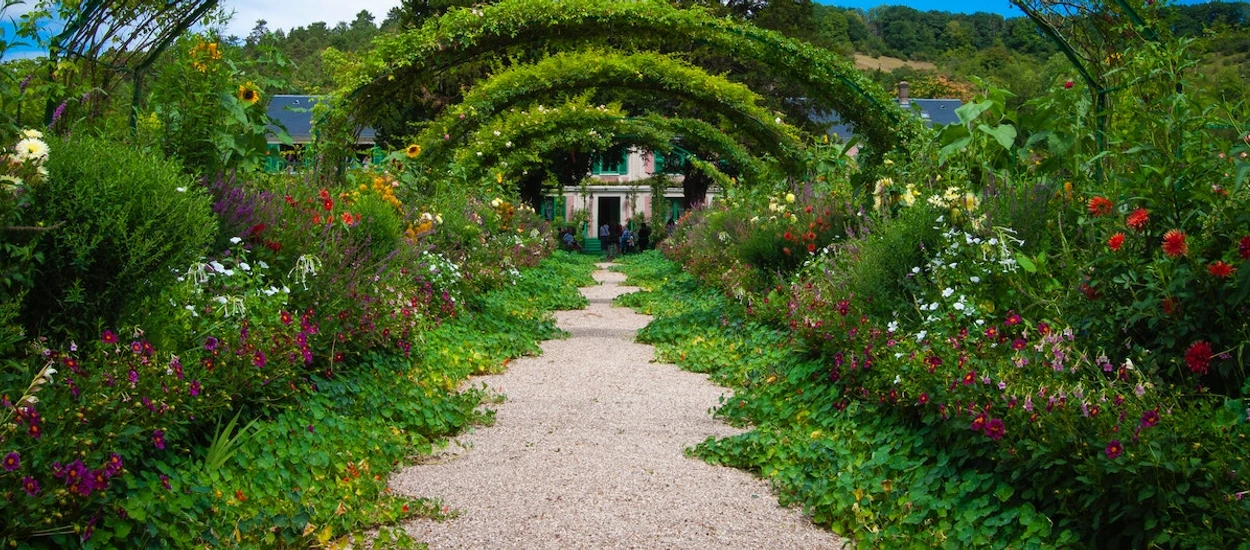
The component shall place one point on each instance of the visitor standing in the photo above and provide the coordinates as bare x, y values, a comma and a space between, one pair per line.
644, 236
605, 239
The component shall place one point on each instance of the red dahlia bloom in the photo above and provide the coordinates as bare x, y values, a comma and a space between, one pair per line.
1114, 449
1174, 243
1115, 242
1100, 206
1221, 269
1138, 219
1198, 357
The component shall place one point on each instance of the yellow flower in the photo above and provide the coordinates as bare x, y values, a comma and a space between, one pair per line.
413, 151
248, 93
789, 197
499, 177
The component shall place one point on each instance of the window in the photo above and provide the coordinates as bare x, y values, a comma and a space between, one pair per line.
614, 162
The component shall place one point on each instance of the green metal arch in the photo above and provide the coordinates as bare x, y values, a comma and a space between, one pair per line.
465, 35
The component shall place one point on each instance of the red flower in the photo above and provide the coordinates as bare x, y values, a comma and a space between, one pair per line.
1114, 449
995, 429
811, 248
1018, 344
1138, 219
1100, 206
1220, 269
970, 378
108, 337
924, 399
788, 236
1198, 357
1174, 243
1068, 85
1243, 249
286, 317
1115, 242
1012, 318
1170, 305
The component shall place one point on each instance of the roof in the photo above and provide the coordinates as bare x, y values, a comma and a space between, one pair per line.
294, 112
932, 111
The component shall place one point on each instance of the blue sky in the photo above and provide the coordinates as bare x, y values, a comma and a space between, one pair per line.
1002, 7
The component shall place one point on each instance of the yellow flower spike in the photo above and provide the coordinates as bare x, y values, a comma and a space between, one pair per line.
499, 177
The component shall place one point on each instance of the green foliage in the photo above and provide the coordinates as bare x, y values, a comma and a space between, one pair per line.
380, 228
125, 219
881, 273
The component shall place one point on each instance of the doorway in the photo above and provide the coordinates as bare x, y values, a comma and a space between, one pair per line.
610, 211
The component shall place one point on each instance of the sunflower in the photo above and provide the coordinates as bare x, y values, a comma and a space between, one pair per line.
248, 93
413, 151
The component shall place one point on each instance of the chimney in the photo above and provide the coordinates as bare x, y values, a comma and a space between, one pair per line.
904, 98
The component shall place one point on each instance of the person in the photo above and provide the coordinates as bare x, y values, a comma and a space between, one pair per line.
570, 242
644, 236
605, 239
614, 240
627, 240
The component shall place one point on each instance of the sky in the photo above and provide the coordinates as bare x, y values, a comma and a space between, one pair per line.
287, 14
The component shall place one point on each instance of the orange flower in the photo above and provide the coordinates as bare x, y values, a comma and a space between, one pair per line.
1138, 219
1174, 243
1115, 242
1100, 206
1221, 269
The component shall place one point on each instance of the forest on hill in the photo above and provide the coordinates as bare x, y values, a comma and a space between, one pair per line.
1009, 52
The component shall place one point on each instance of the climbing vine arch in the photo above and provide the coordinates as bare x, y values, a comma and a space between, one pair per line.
461, 36
516, 140
567, 72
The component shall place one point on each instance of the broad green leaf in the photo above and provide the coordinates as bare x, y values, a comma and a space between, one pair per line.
1026, 263
1005, 134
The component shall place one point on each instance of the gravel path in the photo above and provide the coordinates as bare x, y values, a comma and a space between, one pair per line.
587, 452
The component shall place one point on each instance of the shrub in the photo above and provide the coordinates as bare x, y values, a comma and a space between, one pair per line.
126, 218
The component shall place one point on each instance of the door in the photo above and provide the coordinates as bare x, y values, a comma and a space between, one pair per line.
609, 211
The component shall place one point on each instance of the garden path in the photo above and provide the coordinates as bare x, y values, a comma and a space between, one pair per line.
587, 452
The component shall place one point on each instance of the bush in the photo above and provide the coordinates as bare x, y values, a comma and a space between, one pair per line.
126, 219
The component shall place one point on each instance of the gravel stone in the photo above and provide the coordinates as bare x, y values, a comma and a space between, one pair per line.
587, 451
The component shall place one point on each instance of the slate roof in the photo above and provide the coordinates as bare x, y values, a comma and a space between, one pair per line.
295, 113
933, 111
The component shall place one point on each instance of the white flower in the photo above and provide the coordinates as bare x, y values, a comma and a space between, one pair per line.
975, 279
220, 299
235, 240
180, 189
946, 292
189, 307
32, 133
897, 380
508, 144
496, 133
31, 149
262, 264
244, 266
48, 372
892, 327
915, 270
217, 267
959, 306
921, 335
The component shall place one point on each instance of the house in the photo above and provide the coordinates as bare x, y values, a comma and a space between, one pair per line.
294, 113
932, 111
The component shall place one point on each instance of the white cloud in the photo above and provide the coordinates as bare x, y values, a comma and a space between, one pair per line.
288, 14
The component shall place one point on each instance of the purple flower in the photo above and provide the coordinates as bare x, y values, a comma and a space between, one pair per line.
165, 482
133, 377
12, 461
60, 111
1114, 449
195, 388
1149, 418
136, 347
30, 485
158, 439
258, 359
113, 465
108, 337
21, 88
210, 343
995, 429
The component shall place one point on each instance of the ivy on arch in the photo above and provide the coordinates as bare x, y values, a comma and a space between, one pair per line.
466, 35
576, 71
518, 140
